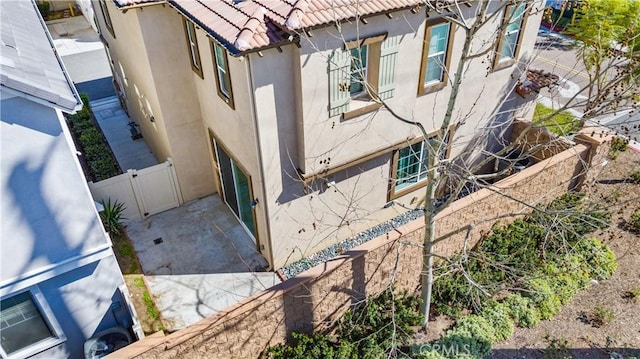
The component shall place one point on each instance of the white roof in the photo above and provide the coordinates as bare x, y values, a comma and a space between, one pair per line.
29, 64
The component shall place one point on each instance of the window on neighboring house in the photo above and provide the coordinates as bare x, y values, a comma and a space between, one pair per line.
436, 56
223, 78
192, 43
25, 329
107, 17
363, 69
509, 41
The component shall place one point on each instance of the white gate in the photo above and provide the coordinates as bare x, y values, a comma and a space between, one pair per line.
143, 192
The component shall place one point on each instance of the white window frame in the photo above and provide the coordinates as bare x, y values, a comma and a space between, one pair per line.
47, 315
221, 71
193, 45
359, 71
433, 57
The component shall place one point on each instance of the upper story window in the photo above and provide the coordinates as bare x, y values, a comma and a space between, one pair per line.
192, 43
360, 72
509, 41
436, 56
27, 325
223, 77
107, 17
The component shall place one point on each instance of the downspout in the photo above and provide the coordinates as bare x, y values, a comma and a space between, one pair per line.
256, 135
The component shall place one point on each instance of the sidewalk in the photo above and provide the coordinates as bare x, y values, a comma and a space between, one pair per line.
114, 122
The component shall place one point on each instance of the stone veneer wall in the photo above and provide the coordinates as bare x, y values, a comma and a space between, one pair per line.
316, 298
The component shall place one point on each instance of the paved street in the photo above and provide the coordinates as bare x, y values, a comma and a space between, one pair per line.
555, 54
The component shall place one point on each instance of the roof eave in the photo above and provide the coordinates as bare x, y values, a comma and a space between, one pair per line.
69, 110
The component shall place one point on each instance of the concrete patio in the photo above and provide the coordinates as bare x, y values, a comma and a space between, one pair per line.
197, 260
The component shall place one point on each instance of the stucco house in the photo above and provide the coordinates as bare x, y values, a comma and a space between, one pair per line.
262, 102
60, 283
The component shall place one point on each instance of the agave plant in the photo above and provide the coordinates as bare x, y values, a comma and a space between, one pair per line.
112, 216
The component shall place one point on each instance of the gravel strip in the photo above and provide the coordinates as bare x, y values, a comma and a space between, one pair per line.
293, 269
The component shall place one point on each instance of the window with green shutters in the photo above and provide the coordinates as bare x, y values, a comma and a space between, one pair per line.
363, 69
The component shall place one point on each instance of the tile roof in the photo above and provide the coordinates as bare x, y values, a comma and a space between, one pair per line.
303, 14
244, 25
240, 26
29, 63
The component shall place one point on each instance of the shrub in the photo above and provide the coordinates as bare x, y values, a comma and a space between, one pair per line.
498, 317
634, 221
541, 293
112, 216
598, 259
635, 176
472, 335
370, 330
44, 8
522, 310
600, 316
618, 144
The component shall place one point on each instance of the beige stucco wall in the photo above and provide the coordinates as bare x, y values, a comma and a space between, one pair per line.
290, 90
157, 81
298, 132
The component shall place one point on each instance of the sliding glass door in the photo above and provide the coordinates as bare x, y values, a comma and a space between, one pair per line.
236, 187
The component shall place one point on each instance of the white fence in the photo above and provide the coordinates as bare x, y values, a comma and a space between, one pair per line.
143, 192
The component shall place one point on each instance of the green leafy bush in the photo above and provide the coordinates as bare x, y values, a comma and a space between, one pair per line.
601, 316
471, 337
635, 176
618, 144
521, 310
598, 260
92, 144
44, 8
370, 330
634, 221
541, 292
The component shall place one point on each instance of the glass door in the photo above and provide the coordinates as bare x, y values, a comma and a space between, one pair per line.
236, 187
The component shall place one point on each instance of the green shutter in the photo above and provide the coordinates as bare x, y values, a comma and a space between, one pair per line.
387, 71
339, 71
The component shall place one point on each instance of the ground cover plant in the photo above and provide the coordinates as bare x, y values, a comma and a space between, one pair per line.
518, 275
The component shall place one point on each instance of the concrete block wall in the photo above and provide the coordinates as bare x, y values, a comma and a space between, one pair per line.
318, 297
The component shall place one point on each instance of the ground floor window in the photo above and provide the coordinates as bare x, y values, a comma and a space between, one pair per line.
23, 324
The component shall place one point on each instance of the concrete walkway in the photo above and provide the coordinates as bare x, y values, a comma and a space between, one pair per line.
130, 154
197, 260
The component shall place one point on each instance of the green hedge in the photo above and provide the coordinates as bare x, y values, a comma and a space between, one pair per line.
97, 154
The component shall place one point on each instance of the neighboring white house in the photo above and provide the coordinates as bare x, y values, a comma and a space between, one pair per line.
60, 283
